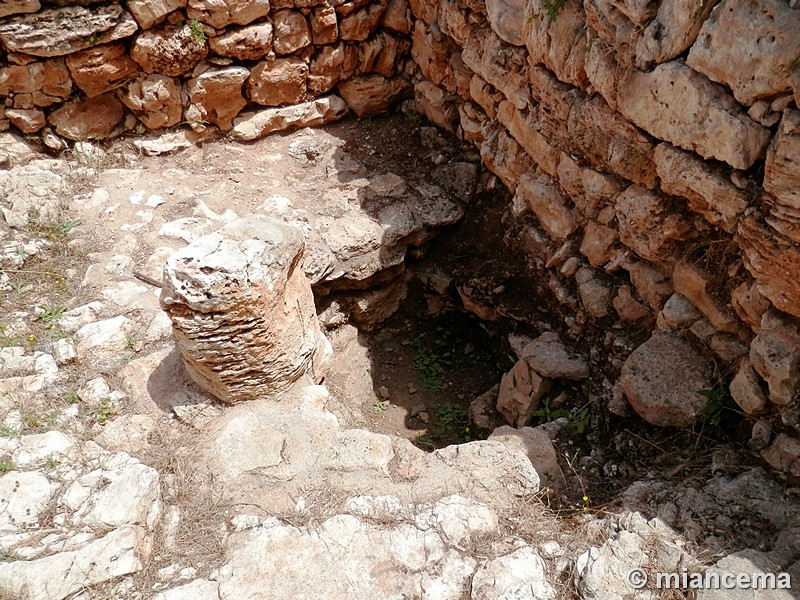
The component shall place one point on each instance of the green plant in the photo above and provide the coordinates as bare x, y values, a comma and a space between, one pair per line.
50, 314
198, 34
50, 462
413, 117
32, 421
9, 556
367, 124
103, 411
131, 341
380, 406
72, 397
427, 366
710, 419
450, 420
545, 414
91, 40
6, 431
6, 466
553, 7
8, 340
581, 420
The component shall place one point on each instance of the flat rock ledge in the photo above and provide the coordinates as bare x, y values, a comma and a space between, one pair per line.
242, 310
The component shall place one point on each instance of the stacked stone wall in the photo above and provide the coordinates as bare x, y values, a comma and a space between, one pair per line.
653, 150
86, 70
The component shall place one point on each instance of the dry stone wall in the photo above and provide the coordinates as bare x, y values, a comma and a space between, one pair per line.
94, 70
653, 150
652, 147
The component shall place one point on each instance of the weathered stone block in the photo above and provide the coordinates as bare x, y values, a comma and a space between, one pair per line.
242, 310
59, 31
220, 13
252, 42
282, 81
252, 126
708, 191
152, 12
291, 31
216, 96
661, 380
676, 104
156, 100
101, 69
95, 118
752, 47
169, 50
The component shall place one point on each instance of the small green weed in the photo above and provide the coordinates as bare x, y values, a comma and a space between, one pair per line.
451, 421
710, 423
553, 7
380, 406
6, 340
198, 34
103, 411
6, 466
32, 421
51, 314
9, 556
6, 431
414, 117
72, 397
50, 462
545, 414
91, 40
366, 124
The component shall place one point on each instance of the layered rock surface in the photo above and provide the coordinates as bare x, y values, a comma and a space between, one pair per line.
242, 310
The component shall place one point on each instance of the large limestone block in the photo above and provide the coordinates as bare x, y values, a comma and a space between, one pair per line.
168, 50
561, 44
373, 94
101, 69
773, 260
507, 18
156, 100
504, 66
152, 12
282, 81
252, 42
611, 142
676, 104
216, 96
547, 203
782, 175
252, 126
775, 354
359, 25
521, 389
752, 47
708, 191
61, 575
219, 13
12, 7
291, 31
242, 310
397, 17
672, 31
45, 82
26, 120
647, 225
661, 380
59, 31
95, 118
330, 65
324, 25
